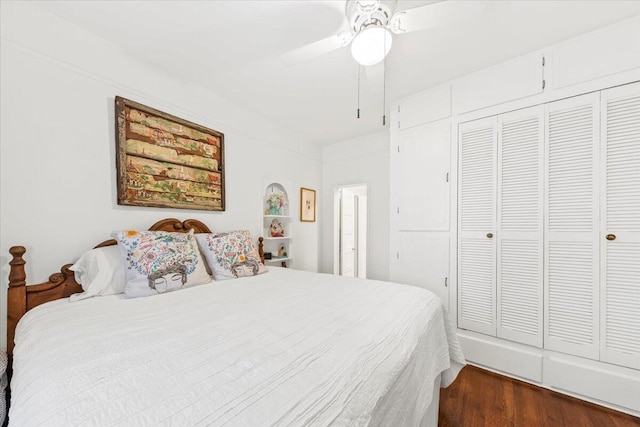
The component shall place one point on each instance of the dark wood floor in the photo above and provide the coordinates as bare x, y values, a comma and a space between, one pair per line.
482, 398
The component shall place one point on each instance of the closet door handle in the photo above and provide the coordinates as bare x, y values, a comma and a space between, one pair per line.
489, 235
611, 237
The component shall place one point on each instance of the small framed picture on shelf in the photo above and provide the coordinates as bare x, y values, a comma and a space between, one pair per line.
307, 205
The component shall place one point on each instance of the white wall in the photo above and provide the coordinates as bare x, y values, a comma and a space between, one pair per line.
363, 160
57, 146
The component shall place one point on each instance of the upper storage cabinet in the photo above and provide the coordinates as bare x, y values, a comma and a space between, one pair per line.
424, 107
598, 54
505, 82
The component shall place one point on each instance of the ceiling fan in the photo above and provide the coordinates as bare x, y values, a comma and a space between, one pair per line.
372, 24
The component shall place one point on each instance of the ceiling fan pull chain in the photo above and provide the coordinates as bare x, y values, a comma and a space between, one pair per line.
384, 92
359, 67
384, 86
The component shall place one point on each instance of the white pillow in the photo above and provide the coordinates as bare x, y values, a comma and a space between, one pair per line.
99, 272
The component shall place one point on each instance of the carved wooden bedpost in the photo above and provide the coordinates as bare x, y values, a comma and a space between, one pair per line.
17, 294
261, 249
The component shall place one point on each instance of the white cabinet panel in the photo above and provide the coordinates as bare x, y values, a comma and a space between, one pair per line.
425, 107
601, 382
423, 261
519, 232
476, 210
620, 308
424, 154
509, 81
597, 54
571, 238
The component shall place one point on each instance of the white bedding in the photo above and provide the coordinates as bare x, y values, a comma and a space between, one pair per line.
284, 348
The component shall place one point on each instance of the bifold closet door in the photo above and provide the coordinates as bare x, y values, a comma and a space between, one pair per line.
571, 240
476, 245
520, 226
620, 228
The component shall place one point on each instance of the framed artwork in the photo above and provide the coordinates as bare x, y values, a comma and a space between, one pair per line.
307, 205
164, 161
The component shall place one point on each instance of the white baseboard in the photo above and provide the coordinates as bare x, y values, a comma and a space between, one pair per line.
601, 383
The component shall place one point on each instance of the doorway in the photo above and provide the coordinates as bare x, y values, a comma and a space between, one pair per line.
350, 241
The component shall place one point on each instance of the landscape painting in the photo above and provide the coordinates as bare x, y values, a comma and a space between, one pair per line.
164, 161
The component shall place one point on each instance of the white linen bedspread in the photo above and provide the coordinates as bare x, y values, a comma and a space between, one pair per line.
284, 348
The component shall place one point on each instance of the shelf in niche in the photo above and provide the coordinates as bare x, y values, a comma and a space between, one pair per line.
276, 259
273, 216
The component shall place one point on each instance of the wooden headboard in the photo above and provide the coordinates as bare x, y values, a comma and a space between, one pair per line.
22, 298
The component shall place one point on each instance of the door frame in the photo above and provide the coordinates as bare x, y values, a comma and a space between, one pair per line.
337, 220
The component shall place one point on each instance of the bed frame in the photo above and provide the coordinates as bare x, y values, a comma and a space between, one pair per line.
22, 298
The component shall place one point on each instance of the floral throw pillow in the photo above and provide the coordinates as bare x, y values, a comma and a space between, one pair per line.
231, 255
157, 262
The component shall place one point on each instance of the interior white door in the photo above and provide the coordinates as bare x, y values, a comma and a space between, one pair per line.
477, 212
520, 225
362, 236
620, 227
571, 237
347, 234
424, 153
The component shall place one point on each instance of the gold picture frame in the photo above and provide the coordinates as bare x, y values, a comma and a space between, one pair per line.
307, 205
167, 162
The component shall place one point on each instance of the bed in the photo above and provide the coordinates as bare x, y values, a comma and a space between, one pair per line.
283, 348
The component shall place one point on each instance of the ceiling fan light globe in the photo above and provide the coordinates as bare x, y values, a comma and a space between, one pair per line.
371, 45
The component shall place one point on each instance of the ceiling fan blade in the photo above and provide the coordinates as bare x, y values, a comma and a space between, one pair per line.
435, 15
315, 49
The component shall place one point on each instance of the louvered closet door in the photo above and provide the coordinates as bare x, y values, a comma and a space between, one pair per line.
520, 226
476, 248
620, 253
571, 238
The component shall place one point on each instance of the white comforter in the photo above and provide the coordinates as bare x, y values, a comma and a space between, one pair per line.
284, 348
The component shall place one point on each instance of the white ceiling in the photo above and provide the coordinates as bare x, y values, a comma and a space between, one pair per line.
233, 49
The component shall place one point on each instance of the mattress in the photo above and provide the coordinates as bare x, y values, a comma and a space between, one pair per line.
284, 348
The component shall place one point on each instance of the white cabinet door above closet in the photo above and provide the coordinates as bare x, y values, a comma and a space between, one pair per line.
597, 54
515, 79
571, 238
520, 226
476, 247
424, 153
620, 229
